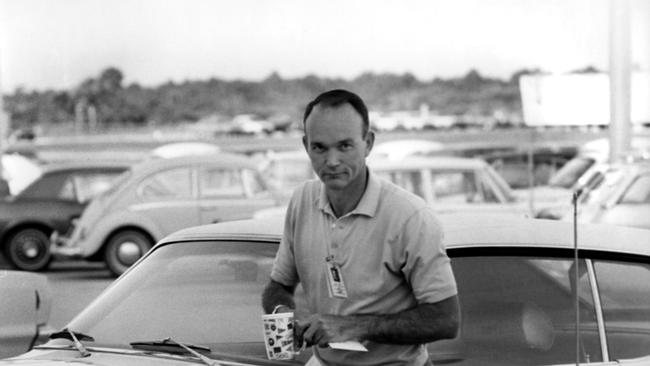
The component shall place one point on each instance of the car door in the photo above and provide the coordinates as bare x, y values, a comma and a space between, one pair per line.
168, 200
521, 309
230, 193
633, 207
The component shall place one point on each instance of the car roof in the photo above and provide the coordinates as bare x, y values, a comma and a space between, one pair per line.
427, 162
84, 165
223, 159
462, 231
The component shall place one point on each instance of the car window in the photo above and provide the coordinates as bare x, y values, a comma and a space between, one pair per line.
172, 183
67, 191
48, 186
409, 180
215, 292
254, 183
487, 190
519, 310
456, 187
87, 186
569, 173
606, 183
501, 185
625, 295
639, 191
221, 182
288, 173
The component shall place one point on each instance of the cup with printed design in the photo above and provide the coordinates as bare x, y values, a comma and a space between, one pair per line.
278, 336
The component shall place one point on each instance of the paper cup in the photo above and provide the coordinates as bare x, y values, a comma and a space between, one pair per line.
278, 336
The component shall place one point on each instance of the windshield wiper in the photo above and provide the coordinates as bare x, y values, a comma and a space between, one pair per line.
74, 337
171, 346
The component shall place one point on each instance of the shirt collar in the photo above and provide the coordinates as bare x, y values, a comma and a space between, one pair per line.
367, 205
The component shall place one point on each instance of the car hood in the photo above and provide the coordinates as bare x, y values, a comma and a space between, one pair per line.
101, 357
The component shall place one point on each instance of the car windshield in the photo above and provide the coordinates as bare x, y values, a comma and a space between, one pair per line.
568, 175
200, 293
604, 186
516, 309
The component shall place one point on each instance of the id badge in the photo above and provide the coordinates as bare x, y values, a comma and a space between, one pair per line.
335, 280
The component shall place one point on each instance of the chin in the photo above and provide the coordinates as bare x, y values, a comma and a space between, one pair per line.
335, 184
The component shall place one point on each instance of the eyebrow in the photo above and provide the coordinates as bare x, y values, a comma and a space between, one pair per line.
348, 140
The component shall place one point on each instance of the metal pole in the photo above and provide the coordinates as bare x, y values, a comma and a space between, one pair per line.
619, 78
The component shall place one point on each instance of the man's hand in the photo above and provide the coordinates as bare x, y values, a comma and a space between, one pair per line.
423, 324
320, 329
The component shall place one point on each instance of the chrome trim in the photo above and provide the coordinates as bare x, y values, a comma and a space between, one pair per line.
600, 320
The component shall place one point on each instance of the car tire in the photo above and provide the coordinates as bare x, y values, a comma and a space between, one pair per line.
124, 248
28, 249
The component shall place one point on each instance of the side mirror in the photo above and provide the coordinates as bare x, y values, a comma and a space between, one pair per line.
25, 307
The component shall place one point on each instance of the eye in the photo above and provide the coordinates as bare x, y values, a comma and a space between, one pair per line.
317, 148
346, 146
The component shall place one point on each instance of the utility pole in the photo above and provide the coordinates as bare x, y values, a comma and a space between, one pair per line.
4, 120
620, 87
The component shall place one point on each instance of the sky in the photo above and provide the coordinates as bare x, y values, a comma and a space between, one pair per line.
47, 44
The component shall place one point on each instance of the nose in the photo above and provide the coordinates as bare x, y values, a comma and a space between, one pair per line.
332, 158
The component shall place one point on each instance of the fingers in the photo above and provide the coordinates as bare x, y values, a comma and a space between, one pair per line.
313, 331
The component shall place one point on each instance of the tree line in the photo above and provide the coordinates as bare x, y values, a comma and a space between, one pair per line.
103, 101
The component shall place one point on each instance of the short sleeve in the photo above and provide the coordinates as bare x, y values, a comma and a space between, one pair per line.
427, 267
284, 266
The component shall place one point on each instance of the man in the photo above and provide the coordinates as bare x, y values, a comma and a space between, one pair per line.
369, 255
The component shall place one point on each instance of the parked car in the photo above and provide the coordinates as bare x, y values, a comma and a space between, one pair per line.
285, 170
50, 203
523, 293
617, 194
593, 152
157, 197
450, 184
25, 307
523, 168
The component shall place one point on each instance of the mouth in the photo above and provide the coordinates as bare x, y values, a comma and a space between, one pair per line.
328, 175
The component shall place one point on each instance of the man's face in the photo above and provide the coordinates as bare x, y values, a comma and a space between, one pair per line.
336, 146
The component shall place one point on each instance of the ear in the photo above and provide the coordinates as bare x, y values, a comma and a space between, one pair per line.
370, 142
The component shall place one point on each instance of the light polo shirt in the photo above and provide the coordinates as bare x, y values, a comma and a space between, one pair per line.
391, 256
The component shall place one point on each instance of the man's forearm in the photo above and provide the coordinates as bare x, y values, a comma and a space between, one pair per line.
422, 324
276, 294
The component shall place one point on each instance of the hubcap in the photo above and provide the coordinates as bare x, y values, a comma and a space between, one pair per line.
128, 253
30, 249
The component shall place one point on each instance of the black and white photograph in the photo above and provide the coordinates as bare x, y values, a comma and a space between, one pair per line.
382, 182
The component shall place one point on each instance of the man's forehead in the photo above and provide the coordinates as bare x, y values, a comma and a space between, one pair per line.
340, 120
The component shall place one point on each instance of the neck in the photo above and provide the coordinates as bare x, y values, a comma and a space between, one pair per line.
345, 200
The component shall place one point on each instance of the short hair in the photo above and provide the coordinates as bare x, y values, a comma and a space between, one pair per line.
338, 97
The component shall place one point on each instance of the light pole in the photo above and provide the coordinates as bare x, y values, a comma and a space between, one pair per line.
619, 78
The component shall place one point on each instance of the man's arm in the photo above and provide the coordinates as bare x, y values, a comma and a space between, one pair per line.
422, 324
276, 294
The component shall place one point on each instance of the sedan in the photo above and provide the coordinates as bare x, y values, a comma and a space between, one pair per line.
527, 297
159, 196
450, 184
616, 194
50, 203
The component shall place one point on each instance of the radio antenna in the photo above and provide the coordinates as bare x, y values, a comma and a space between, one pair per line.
576, 265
